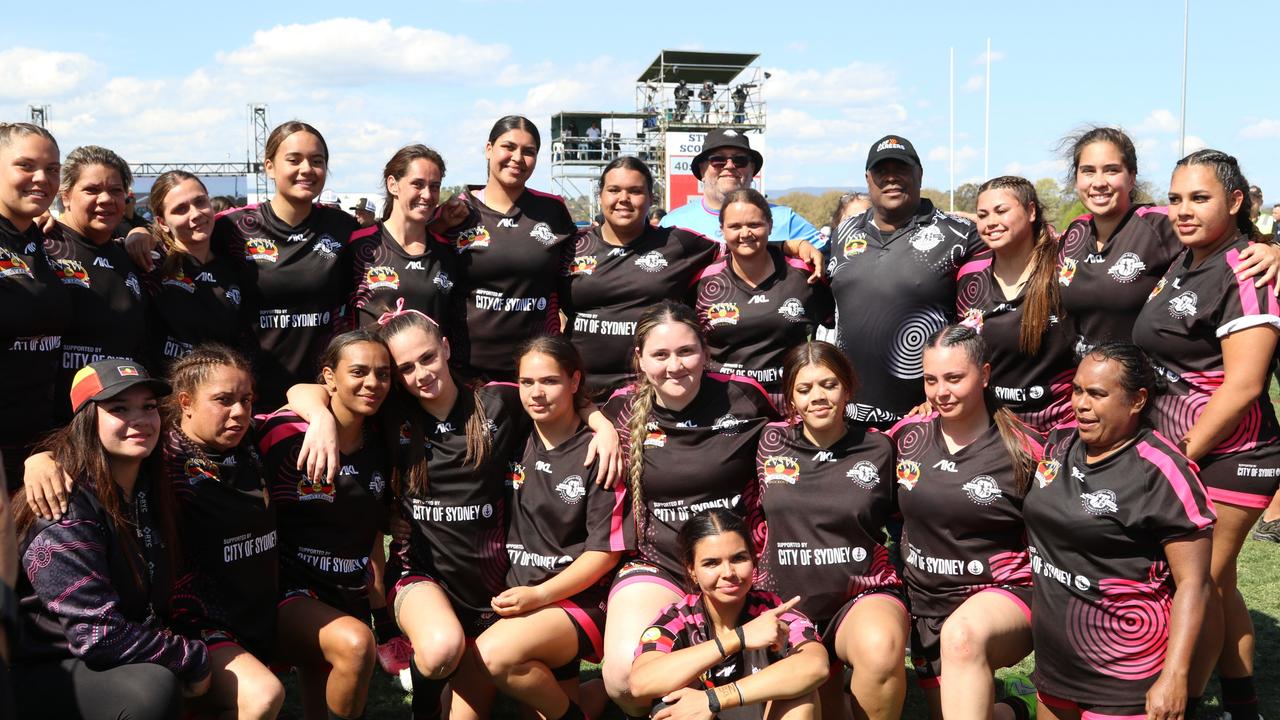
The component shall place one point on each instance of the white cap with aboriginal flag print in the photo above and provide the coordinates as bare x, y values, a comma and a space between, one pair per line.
106, 379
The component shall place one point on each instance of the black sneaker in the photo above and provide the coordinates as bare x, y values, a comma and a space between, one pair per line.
1268, 531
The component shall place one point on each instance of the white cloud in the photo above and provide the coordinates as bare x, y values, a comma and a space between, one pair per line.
27, 74
855, 83
350, 51
1265, 129
1193, 143
940, 153
1159, 121
974, 84
981, 59
1054, 168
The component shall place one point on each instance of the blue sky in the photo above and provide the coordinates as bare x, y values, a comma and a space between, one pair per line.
158, 83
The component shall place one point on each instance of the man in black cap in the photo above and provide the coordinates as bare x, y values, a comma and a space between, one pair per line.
727, 163
894, 272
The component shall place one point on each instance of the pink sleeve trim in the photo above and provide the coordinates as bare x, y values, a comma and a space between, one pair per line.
1248, 293
800, 264
539, 193
617, 538
745, 381
229, 211
1177, 480
1239, 499
973, 266
910, 420
1151, 210
714, 268
281, 432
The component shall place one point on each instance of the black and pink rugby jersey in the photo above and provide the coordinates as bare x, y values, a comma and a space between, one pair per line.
193, 303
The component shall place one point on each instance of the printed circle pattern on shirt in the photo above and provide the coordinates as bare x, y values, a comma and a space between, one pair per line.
193, 303
821, 517
559, 512
37, 313
296, 279
229, 584
1103, 290
512, 265
458, 528
962, 515
750, 329
1037, 387
1103, 588
109, 307
326, 530
684, 624
698, 458
610, 286
385, 272
891, 293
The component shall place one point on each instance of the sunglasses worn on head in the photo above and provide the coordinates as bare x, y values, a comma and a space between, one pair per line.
719, 161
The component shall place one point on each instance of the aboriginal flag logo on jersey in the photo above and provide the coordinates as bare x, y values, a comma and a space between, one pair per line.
13, 266
1156, 290
723, 313
515, 475
1047, 472
476, 237
179, 279
780, 468
1067, 272
583, 265
318, 489
71, 272
908, 472
261, 250
655, 436
199, 470
855, 245
382, 277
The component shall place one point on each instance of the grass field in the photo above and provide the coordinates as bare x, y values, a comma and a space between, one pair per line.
1259, 581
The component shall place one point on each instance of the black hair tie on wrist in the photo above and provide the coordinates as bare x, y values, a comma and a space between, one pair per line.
713, 702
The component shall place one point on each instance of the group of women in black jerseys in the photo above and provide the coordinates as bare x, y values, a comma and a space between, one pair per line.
622, 445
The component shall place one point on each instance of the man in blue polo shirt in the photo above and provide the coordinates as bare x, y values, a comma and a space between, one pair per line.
725, 164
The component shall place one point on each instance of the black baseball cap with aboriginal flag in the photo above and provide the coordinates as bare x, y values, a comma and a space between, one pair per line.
106, 379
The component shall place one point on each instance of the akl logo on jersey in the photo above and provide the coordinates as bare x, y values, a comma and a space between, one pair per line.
542, 233
652, 261
1156, 290
723, 313
318, 489
864, 474
13, 266
134, 286
792, 310
382, 276
780, 468
199, 469
1128, 267
476, 237
1101, 502
179, 280
443, 281
908, 472
583, 265
326, 245
261, 250
927, 238
515, 475
1184, 305
1067, 272
571, 490
655, 436
982, 489
972, 319
71, 272
855, 244
1047, 472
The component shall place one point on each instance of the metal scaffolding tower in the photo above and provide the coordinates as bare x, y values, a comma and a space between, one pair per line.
39, 115
259, 128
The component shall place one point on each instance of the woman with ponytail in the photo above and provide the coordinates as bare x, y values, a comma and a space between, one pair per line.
196, 291
962, 474
691, 438
398, 257
1213, 336
1013, 303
